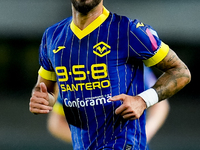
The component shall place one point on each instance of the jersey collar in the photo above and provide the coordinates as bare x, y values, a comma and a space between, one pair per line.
91, 27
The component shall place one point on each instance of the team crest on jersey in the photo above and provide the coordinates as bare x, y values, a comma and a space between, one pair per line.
101, 49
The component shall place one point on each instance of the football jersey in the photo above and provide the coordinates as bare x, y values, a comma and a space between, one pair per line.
92, 65
149, 81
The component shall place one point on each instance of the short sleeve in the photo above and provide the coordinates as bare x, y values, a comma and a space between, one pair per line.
46, 70
144, 44
58, 108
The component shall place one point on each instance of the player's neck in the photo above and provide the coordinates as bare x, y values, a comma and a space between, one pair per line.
82, 21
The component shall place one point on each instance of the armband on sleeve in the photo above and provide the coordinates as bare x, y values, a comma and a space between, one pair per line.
159, 56
48, 75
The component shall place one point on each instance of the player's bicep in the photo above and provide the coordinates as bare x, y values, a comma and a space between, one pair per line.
169, 62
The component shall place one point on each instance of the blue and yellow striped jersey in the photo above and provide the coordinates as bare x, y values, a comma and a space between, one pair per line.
91, 65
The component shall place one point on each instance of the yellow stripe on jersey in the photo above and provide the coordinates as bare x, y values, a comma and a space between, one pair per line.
160, 55
58, 108
48, 75
91, 27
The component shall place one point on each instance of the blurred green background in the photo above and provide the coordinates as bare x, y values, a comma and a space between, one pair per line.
22, 23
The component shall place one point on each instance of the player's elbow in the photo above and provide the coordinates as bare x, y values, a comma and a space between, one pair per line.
187, 75
184, 77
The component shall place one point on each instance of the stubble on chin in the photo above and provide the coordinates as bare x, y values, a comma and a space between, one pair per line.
84, 6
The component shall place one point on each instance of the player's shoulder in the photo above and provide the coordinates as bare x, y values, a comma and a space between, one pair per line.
57, 27
137, 26
119, 18
133, 23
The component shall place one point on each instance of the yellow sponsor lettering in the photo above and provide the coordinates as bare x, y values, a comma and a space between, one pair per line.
68, 88
105, 84
63, 87
82, 75
74, 88
85, 86
81, 85
96, 85
88, 86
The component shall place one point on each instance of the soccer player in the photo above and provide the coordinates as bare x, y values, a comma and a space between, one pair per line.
96, 58
156, 115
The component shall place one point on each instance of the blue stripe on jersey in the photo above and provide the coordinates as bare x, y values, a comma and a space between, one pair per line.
103, 63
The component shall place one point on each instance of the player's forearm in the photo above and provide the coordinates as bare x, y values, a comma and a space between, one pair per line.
174, 78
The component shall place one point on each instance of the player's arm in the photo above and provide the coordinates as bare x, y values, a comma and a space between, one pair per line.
43, 96
156, 116
57, 123
58, 126
176, 75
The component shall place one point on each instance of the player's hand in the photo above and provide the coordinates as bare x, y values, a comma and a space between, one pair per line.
132, 107
39, 102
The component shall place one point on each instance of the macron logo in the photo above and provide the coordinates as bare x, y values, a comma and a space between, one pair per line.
139, 24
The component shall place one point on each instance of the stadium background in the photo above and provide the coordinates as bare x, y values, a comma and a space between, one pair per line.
22, 23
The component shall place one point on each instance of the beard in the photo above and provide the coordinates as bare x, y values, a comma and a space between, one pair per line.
84, 7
